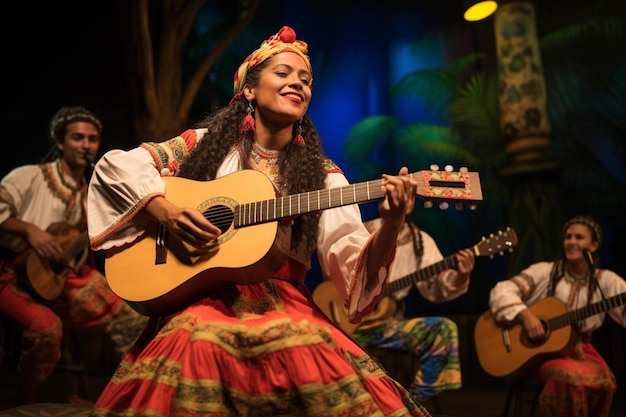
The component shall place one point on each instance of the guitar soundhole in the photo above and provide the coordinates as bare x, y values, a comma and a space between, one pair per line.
221, 216
57, 267
530, 343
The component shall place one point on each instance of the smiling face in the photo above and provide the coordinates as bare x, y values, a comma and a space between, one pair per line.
283, 93
578, 237
80, 138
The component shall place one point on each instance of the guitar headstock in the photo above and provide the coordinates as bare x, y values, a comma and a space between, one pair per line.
497, 244
448, 186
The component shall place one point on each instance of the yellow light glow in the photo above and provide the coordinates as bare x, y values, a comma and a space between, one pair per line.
480, 10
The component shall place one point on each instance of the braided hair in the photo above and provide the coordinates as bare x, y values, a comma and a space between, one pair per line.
418, 244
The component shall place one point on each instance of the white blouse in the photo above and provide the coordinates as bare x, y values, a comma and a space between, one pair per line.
41, 195
437, 288
511, 296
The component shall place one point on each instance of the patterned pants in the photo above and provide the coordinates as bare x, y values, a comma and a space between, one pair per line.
433, 340
86, 302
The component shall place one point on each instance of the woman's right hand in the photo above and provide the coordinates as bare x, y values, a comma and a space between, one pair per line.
185, 222
532, 325
43, 243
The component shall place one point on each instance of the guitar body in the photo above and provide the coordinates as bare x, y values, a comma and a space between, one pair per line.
241, 255
328, 300
44, 277
491, 339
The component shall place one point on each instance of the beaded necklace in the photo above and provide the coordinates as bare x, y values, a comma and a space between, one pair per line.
74, 188
571, 278
266, 160
60, 187
259, 153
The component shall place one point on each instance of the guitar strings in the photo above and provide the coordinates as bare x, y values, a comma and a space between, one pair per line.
257, 212
269, 210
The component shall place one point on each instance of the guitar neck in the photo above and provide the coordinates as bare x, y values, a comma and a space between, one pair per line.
76, 246
579, 314
432, 185
423, 274
269, 210
499, 243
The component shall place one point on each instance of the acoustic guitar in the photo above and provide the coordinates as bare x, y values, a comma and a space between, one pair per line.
332, 304
504, 348
46, 277
159, 273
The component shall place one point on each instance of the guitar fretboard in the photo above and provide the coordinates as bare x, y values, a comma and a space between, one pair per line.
432, 185
423, 274
292, 205
579, 314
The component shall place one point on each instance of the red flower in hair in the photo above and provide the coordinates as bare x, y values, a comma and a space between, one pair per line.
286, 34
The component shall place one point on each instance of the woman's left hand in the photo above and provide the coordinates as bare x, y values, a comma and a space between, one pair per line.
399, 199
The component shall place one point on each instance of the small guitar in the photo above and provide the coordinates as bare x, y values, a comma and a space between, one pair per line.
328, 299
159, 273
46, 277
504, 348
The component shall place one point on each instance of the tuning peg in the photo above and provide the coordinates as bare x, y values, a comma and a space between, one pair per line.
444, 205
473, 207
428, 204
458, 206
463, 170
449, 168
434, 167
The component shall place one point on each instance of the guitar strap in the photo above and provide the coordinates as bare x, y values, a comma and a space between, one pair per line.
418, 249
418, 243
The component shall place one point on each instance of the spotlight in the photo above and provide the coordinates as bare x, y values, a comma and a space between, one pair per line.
479, 9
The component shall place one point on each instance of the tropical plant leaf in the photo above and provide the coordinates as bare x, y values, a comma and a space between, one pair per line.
584, 72
608, 28
434, 87
367, 135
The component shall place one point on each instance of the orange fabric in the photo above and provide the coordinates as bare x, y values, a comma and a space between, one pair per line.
577, 384
85, 302
252, 350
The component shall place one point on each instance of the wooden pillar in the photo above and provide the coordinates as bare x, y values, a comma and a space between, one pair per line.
534, 211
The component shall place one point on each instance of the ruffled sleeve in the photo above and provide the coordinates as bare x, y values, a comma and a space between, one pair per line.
509, 297
343, 244
125, 181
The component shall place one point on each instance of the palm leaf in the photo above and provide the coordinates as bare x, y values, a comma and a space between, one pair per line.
367, 135
434, 86
609, 28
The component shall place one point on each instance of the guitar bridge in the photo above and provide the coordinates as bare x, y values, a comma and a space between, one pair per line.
162, 235
507, 340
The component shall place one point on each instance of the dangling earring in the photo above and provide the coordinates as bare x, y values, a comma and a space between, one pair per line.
299, 140
248, 121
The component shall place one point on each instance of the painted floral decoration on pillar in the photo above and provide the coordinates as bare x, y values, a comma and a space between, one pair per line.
522, 92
